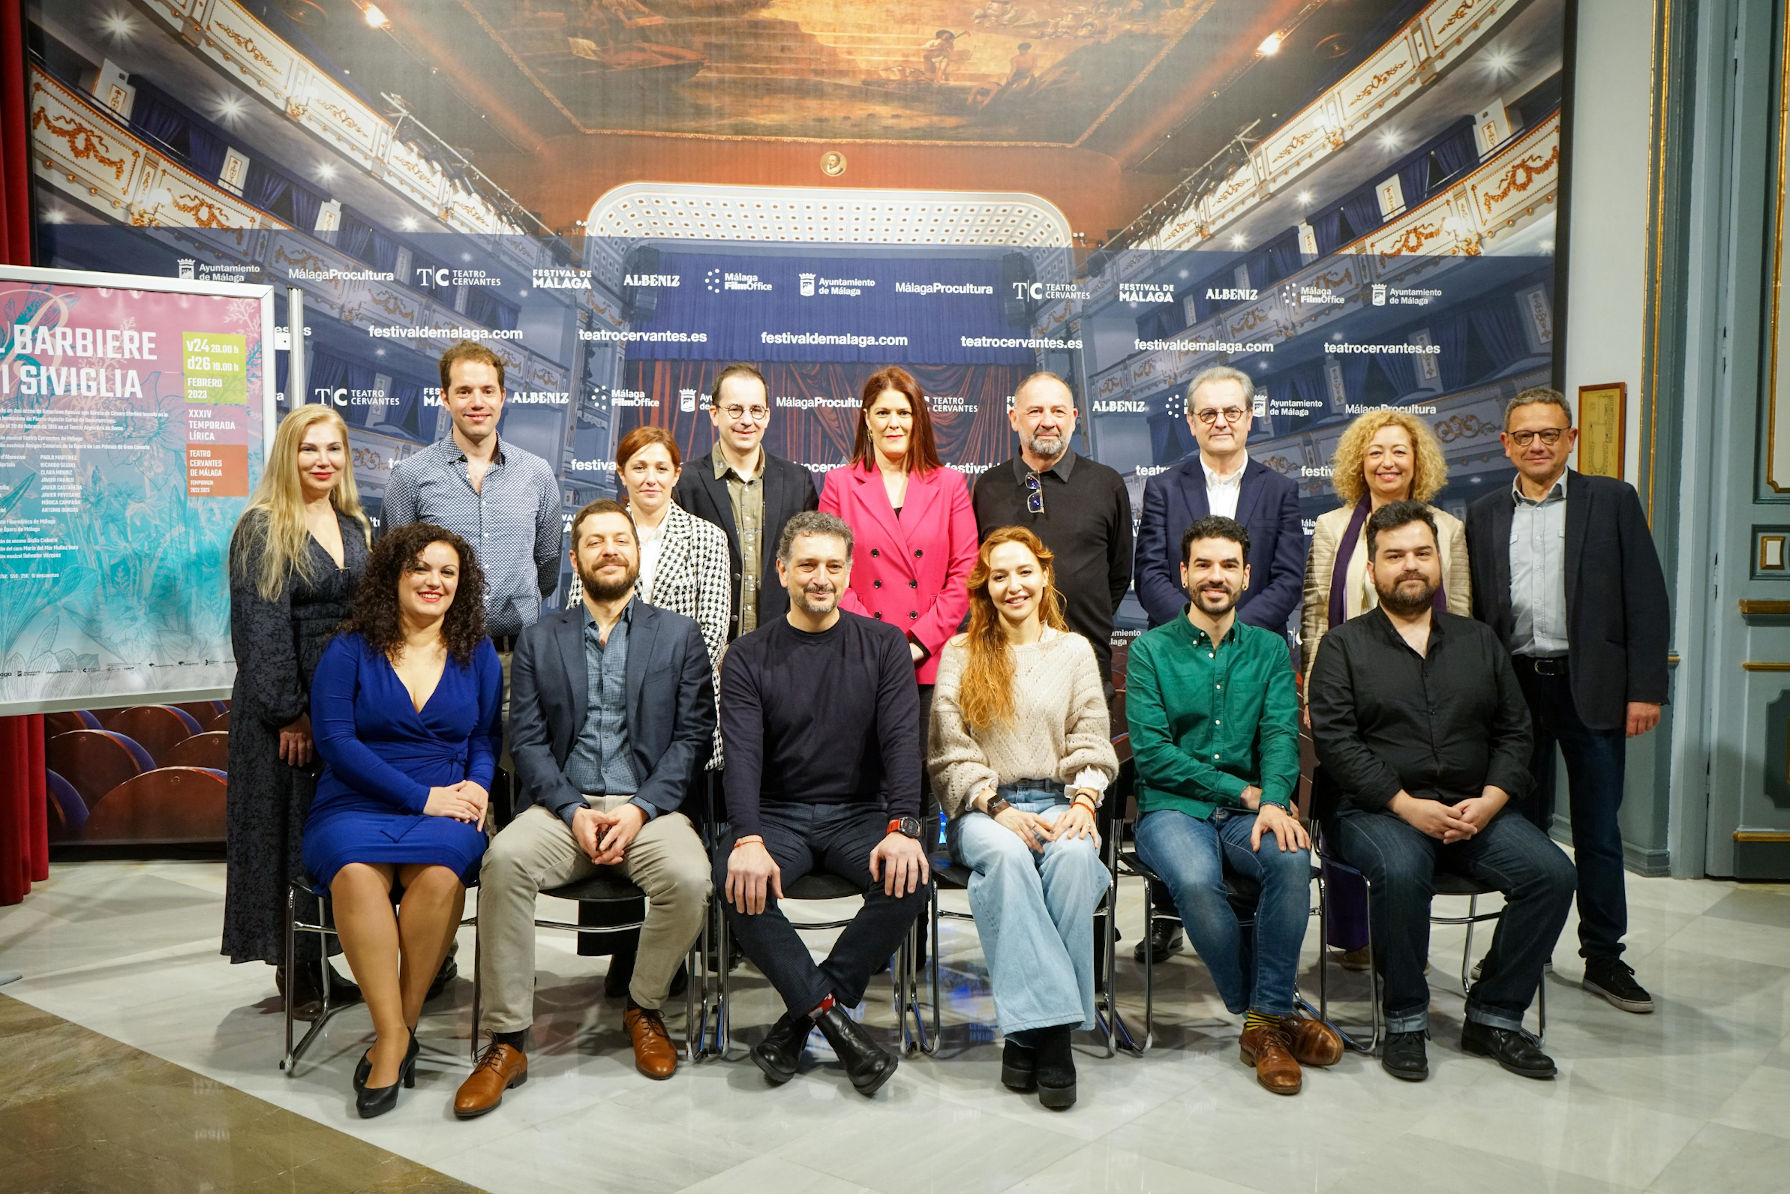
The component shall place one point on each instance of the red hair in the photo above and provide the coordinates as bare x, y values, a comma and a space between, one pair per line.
922, 449
643, 436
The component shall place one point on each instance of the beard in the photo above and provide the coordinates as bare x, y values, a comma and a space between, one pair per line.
816, 604
603, 590
1201, 598
1046, 447
1404, 602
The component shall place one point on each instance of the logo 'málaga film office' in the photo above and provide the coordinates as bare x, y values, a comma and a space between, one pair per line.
717, 280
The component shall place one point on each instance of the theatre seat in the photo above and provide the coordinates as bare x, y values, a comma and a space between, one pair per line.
169, 804
220, 722
155, 727
72, 719
210, 749
95, 761
201, 711
68, 812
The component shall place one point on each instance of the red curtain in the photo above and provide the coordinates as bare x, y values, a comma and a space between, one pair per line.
24, 822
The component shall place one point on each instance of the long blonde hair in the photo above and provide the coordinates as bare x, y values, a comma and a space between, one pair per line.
986, 692
282, 534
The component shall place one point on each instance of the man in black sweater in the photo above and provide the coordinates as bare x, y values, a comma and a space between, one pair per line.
822, 720
1078, 506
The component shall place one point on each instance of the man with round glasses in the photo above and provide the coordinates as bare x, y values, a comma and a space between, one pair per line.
1219, 479
748, 493
1565, 570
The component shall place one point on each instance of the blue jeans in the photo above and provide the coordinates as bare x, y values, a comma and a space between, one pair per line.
1594, 775
1513, 855
1254, 972
1034, 914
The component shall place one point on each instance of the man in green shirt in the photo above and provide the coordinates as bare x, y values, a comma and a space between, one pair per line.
1215, 732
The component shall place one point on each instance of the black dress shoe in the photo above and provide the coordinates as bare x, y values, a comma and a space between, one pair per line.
1404, 1056
867, 1063
1162, 943
1511, 1048
1056, 1068
781, 1050
377, 1100
1019, 1067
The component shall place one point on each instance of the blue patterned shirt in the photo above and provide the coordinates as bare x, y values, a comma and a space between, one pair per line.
512, 522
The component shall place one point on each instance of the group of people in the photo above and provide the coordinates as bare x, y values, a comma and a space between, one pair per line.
844, 665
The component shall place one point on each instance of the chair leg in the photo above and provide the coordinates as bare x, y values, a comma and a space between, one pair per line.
1467, 948
286, 1062
932, 969
478, 970
1149, 970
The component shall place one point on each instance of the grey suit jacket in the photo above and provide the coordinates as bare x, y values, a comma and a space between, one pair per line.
670, 707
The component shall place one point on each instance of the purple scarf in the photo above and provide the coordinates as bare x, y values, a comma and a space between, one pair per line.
1345, 551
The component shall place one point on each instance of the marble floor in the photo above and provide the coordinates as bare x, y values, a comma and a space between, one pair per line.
1690, 1099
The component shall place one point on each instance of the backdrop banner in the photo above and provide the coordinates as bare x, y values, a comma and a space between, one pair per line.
1355, 203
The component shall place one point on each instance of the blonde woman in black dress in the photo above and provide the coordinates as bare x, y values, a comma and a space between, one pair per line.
298, 552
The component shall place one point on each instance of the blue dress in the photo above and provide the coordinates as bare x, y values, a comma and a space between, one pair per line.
381, 756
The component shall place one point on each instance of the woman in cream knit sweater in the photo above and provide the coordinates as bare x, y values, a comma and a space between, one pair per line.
1020, 756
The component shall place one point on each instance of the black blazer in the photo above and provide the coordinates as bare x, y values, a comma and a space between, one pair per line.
788, 490
1268, 508
1618, 616
670, 714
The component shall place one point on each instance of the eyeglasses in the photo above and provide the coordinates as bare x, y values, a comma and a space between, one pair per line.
757, 414
1549, 436
1211, 415
1034, 494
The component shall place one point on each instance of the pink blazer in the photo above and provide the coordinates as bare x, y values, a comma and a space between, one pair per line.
911, 572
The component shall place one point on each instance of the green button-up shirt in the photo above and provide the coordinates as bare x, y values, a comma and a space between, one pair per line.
1210, 719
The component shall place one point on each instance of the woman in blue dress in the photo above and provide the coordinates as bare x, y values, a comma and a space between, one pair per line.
405, 710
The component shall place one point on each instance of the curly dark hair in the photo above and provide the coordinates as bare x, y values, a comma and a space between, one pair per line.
375, 613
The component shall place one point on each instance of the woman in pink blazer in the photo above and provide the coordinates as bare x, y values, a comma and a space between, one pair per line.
913, 529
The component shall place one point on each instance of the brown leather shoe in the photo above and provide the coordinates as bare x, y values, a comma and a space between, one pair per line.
654, 1054
1314, 1042
499, 1068
1270, 1051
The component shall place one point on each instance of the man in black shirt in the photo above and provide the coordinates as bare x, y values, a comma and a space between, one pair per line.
1078, 506
1417, 716
822, 723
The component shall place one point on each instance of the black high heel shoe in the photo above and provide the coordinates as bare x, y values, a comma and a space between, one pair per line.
377, 1100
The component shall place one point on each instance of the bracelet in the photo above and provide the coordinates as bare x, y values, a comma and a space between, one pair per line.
750, 839
1091, 804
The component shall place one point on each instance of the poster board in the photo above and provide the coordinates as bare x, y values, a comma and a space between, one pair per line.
134, 418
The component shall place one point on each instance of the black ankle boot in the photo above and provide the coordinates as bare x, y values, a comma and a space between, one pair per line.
867, 1063
1056, 1068
780, 1052
1019, 1066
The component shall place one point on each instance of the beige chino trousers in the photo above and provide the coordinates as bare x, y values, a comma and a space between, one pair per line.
536, 850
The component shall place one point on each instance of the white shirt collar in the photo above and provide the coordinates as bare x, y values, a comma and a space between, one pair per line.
1214, 478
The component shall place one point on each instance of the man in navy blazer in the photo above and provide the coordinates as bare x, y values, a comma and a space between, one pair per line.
1565, 570
612, 715
1219, 479
748, 493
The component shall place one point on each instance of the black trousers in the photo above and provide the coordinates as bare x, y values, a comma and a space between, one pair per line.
836, 839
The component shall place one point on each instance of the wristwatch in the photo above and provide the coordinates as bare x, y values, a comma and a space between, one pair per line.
905, 826
996, 806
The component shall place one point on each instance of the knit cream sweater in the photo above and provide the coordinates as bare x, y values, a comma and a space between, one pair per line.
1059, 729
